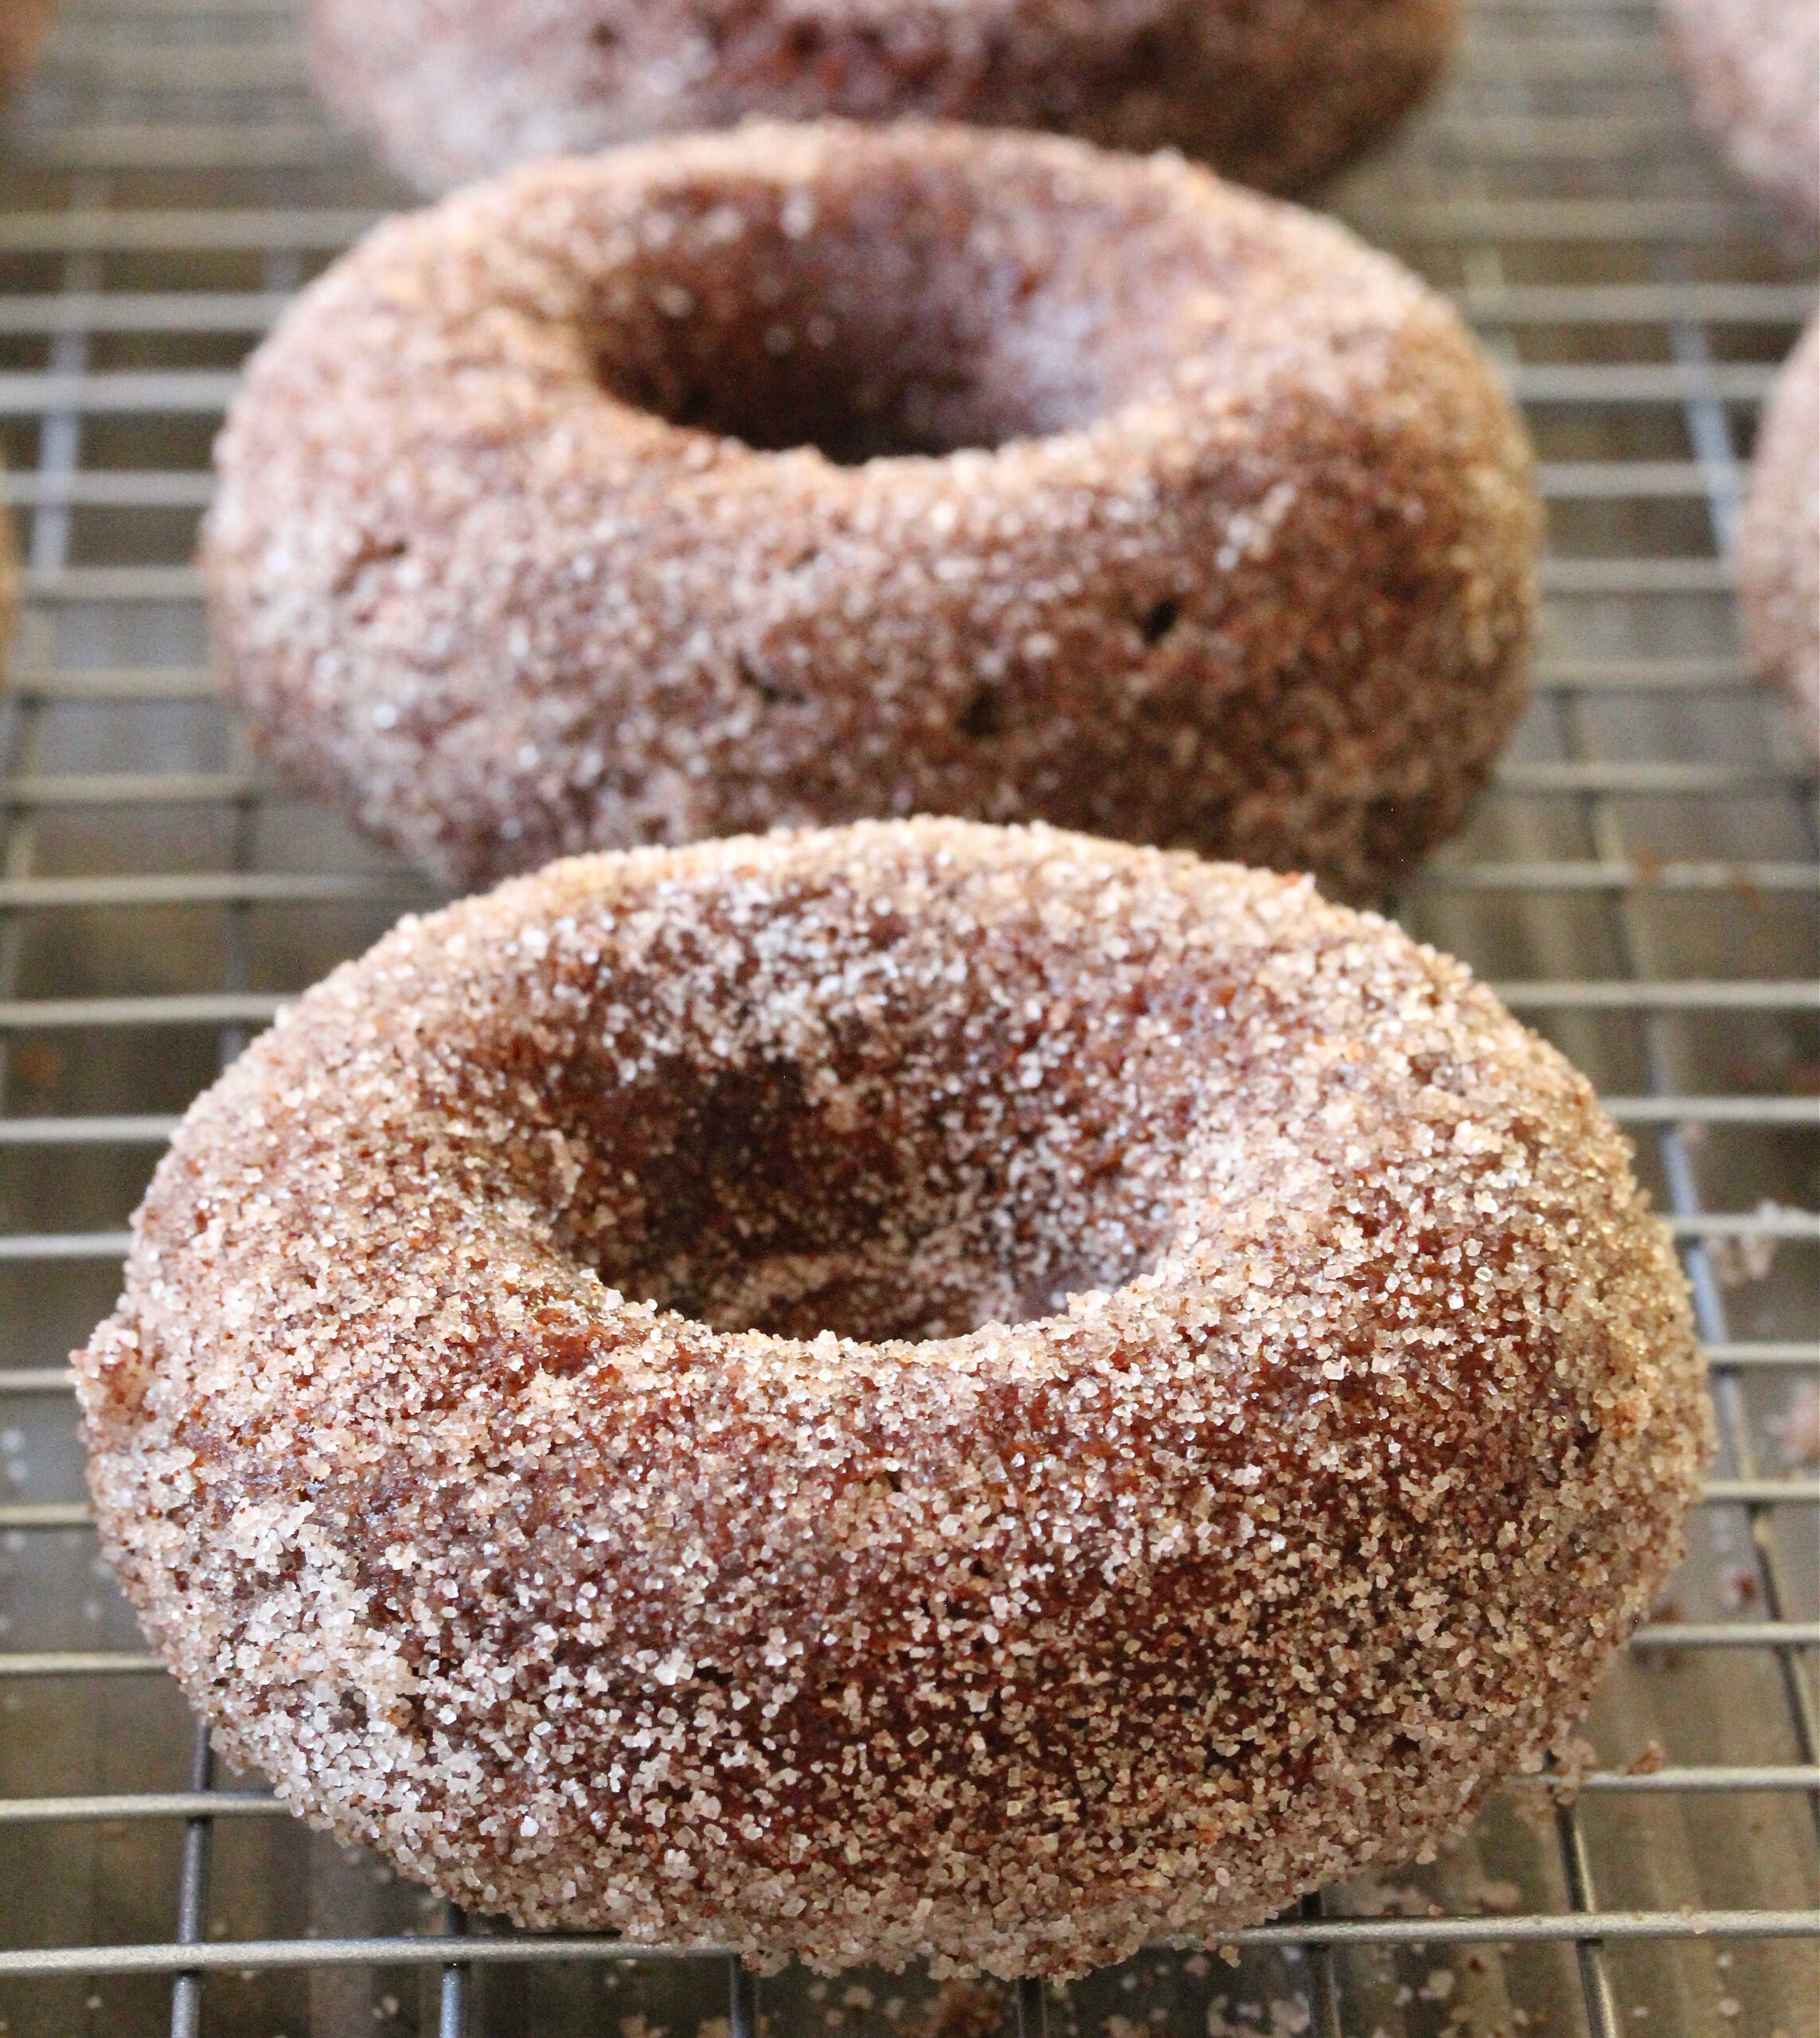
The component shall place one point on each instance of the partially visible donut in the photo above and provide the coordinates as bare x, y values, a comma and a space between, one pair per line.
1276, 93
1235, 550
921, 1390
1753, 68
1779, 550
24, 25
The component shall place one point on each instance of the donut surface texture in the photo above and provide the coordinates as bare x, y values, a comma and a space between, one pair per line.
506, 557
1753, 69
1779, 548
1274, 93
915, 1390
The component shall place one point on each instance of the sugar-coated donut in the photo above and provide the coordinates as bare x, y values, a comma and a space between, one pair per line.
915, 1390
1753, 68
1779, 548
1276, 93
506, 559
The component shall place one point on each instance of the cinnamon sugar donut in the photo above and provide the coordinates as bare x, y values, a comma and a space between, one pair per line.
1778, 549
804, 475
920, 1390
1753, 68
1276, 93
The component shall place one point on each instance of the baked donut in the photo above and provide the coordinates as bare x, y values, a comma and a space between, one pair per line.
24, 25
1753, 69
800, 475
1276, 93
1778, 549
919, 1390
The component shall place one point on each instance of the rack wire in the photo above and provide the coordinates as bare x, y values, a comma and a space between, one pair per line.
1641, 881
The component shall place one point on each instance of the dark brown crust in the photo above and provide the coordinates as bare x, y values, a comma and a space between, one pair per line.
1276, 93
1778, 549
1251, 573
1361, 1432
1753, 68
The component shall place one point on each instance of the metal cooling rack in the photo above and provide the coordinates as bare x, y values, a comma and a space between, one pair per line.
1641, 882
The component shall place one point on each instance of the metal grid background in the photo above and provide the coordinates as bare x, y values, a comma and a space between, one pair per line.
1641, 882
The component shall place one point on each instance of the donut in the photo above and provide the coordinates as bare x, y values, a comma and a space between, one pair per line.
1752, 67
24, 25
921, 1390
1778, 547
796, 476
1276, 93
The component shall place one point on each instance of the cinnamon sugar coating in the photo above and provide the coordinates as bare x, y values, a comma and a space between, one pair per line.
506, 559
920, 1390
1276, 93
1753, 69
1778, 546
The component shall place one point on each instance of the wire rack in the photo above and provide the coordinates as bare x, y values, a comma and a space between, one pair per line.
1641, 882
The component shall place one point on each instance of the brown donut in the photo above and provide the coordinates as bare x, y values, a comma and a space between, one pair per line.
24, 25
1753, 68
1234, 550
920, 1390
1778, 550
1276, 93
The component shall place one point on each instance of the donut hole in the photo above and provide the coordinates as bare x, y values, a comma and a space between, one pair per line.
921, 314
919, 1186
